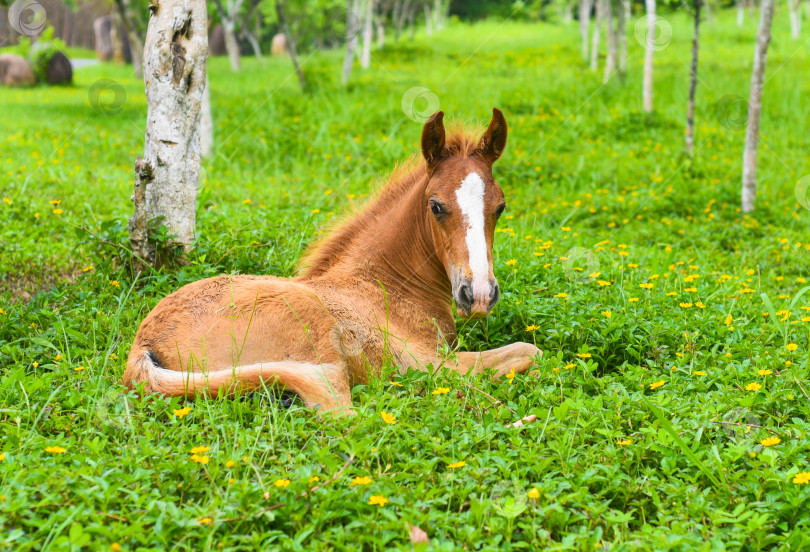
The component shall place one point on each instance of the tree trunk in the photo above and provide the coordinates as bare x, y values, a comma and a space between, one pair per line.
291, 45
440, 8
612, 47
795, 18
740, 12
175, 55
379, 23
600, 8
206, 122
428, 21
231, 44
749, 179
135, 40
690, 106
621, 29
352, 25
585, 8
647, 91
368, 28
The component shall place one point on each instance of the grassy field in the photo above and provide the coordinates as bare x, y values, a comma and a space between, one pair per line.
672, 400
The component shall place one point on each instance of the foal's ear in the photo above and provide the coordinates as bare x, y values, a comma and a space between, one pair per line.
493, 141
433, 140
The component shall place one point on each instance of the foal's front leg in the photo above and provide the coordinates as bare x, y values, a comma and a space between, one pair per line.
517, 356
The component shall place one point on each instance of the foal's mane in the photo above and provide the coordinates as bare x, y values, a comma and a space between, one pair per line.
321, 255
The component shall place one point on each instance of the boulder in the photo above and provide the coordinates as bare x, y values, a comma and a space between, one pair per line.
59, 70
279, 46
16, 71
104, 40
216, 41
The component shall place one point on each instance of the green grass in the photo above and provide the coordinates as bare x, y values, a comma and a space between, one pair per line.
616, 463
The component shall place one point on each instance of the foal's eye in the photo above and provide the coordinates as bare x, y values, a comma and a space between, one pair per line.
436, 208
499, 211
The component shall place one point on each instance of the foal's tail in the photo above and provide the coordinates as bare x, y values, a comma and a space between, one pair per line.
314, 383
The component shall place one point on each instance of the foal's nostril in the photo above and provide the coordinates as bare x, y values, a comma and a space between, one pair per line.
494, 295
465, 297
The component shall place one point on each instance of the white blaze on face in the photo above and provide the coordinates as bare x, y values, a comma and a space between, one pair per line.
470, 197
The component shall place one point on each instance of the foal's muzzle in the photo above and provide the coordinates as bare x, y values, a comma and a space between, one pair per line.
475, 302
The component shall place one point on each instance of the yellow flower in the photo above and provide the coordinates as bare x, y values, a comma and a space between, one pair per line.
55, 450
764, 372
115, 547
691, 290
205, 521
625, 442
55, 201
388, 418
80, 368
802, 478
561, 295
632, 300
365, 480
395, 383
180, 412
729, 319
791, 347
377, 500
607, 314
199, 459
115, 283
459, 464
511, 262
699, 373
584, 355
2, 456
282, 483
314, 479
700, 305
657, 384
315, 211
199, 450
646, 286
58, 211
568, 366
685, 305
770, 441
603, 283
534, 494
440, 391
88, 268
511, 375
532, 328
230, 464
753, 387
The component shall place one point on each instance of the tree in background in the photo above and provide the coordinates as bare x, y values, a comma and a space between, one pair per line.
175, 57
229, 15
749, 173
585, 9
794, 6
690, 108
134, 28
649, 57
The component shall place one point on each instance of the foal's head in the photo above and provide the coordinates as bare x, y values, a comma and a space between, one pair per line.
464, 203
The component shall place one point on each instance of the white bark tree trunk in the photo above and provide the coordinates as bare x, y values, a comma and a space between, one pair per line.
649, 56
749, 177
135, 40
621, 29
206, 122
795, 18
612, 48
740, 13
368, 30
690, 106
585, 7
600, 5
351, 39
379, 24
176, 51
428, 21
231, 44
